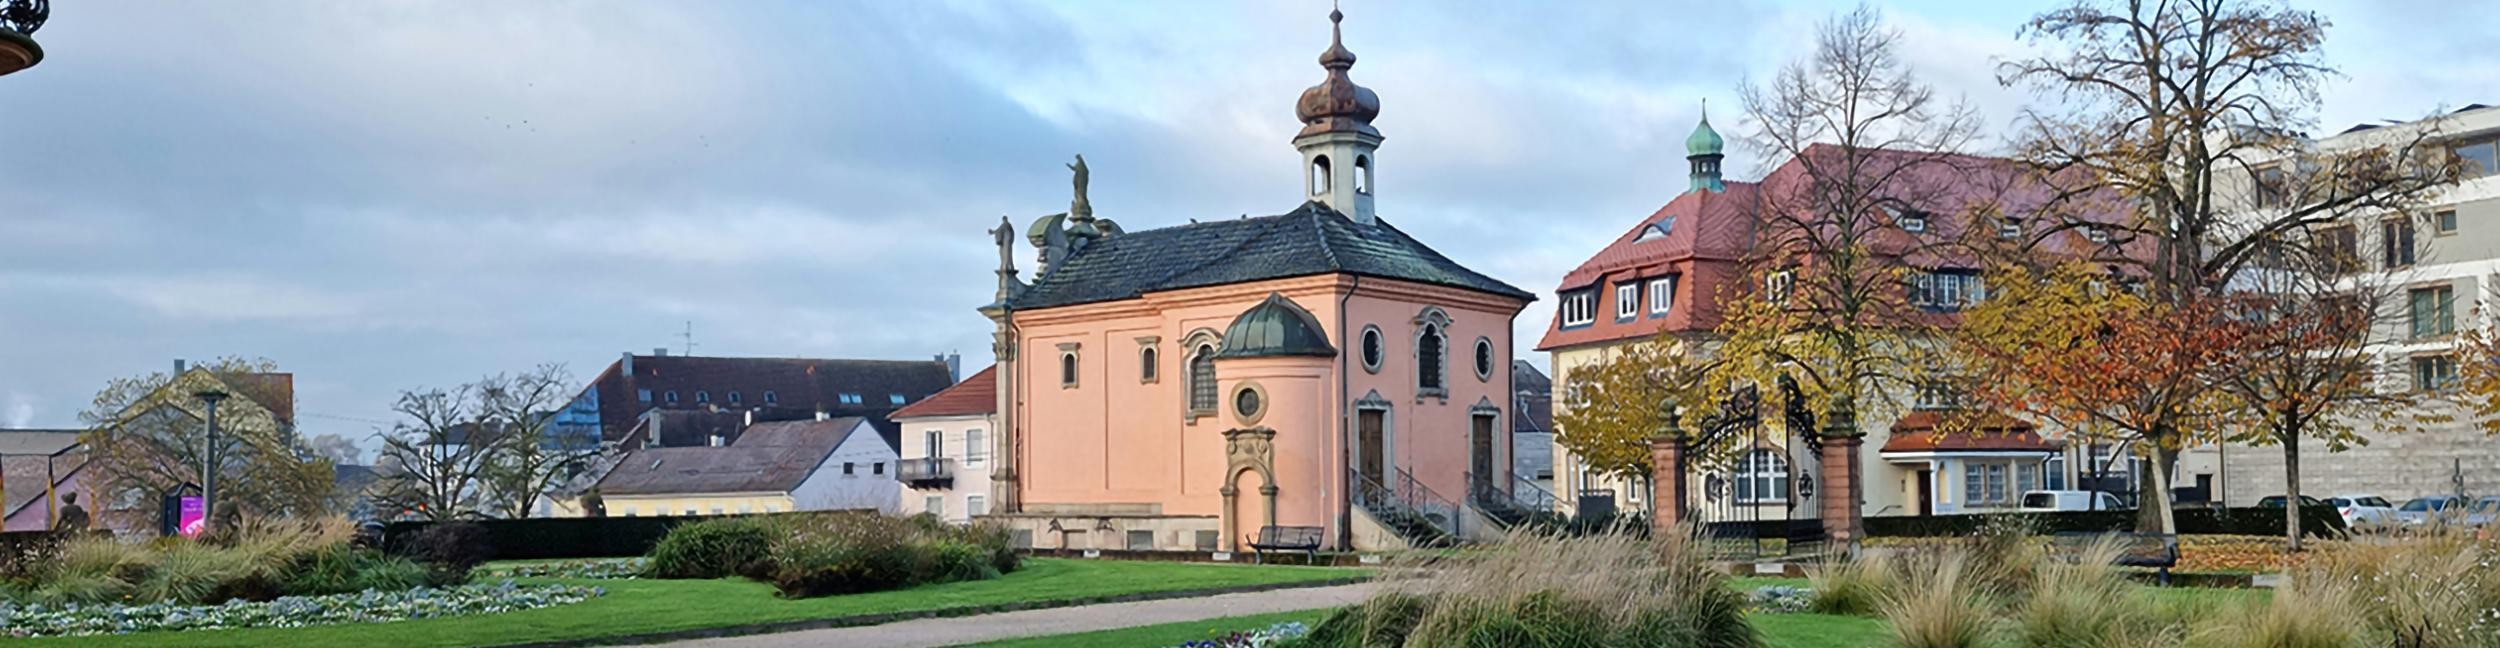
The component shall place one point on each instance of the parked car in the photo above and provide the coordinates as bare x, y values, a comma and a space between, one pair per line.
2364, 511
2484, 511
2425, 510
2276, 501
2069, 500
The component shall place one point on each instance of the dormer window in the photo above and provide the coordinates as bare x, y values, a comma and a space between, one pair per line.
1661, 296
671, 396
1627, 301
1579, 308
1778, 284
2009, 228
1657, 230
771, 398
703, 397
851, 399
2096, 233
736, 398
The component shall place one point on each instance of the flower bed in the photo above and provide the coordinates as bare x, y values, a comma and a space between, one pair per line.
1780, 598
576, 569
1270, 636
37, 620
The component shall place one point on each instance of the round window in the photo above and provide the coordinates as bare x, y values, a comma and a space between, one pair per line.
1484, 359
1246, 403
1371, 349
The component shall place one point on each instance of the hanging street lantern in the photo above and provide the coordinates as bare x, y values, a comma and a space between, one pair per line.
18, 21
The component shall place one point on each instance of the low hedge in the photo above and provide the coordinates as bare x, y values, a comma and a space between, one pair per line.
567, 538
2316, 520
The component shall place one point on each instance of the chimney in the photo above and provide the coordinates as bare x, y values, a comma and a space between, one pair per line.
180, 366
820, 414
954, 366
718, 441
659, 352
626, 366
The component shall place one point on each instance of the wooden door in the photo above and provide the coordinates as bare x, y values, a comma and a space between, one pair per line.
1926, 493
1372, 446
1480, 450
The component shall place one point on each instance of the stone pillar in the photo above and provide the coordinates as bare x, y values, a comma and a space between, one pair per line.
1666, 456
1844, 486
1229, 526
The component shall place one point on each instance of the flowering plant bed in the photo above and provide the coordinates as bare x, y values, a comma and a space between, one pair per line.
575, 569
36, 620
1269, 636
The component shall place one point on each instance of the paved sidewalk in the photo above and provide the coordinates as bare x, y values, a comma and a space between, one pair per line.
930, 633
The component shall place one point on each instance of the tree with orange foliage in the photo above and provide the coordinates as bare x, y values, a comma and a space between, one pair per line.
2107, 364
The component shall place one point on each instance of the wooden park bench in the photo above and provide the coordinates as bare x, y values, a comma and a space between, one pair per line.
1304, 539
2155, 550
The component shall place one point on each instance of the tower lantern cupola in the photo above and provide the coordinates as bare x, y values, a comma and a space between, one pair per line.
1337, 141
1704, 149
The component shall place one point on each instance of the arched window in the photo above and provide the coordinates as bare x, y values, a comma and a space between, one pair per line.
771, 398
1202, 379
671, 395
703, 397
736, 398
1067, 369
1362, 174
1762, 476
1146, 357
1319, 175
1430, 347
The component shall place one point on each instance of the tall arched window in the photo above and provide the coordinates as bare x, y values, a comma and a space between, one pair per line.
1067, 369
1431, 375
1146, 358
1319, 175
1762, 476
1362, 174
1202, 379
703, 397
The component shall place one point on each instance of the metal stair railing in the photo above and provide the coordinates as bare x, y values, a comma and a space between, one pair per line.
1440, 511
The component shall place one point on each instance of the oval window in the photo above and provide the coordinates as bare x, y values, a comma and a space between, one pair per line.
1371, 349
1484, 359
1246, 403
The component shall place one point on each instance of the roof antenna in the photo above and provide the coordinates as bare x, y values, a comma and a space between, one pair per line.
689, 335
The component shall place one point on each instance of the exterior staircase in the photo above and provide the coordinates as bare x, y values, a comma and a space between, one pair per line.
1520, 503
1407, 511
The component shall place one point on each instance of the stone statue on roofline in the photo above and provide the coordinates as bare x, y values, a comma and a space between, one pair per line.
1080, 209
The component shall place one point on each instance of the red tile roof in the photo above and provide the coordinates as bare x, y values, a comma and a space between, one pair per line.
1929, 431
1713, 232
975, 395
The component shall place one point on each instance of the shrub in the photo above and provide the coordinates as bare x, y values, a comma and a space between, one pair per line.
716, 548
449, 550
196, 573
343, 569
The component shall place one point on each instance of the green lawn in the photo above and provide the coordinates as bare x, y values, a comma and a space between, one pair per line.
647, 606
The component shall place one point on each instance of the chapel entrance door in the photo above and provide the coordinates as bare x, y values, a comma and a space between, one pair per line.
1372, 447
1480, 451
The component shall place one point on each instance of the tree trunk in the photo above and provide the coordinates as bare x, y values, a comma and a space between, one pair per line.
2291, 491
2153, 514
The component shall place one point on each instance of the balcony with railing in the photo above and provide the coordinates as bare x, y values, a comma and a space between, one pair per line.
932, 472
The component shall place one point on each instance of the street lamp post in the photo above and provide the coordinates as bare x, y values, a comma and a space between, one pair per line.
208, 457
18, 21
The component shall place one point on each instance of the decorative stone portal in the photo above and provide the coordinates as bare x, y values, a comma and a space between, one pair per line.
1248, 451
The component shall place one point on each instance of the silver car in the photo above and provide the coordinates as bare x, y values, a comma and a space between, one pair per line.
2483, 512
2425, 510
2364, 511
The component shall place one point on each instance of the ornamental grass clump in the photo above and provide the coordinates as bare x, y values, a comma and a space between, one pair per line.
255, 560
1851, 587
2309, 613
2090, 604
2438, 591
1941, 604
1542, 589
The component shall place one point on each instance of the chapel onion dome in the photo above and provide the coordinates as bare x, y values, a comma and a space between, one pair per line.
1336, 104
1275, 328
1704, 140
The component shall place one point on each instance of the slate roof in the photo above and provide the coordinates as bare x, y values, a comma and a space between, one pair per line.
767, 458
801, 387
1310, 240
975, 395
1532, 399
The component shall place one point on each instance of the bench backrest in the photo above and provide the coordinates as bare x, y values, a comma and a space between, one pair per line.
2133, 547
1289, 536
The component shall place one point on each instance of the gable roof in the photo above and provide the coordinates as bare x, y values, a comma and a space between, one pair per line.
974, 396
771, 457
1310, 240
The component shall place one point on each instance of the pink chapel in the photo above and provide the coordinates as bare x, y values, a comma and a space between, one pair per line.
1316, 376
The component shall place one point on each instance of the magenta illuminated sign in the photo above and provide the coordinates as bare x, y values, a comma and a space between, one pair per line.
194, 518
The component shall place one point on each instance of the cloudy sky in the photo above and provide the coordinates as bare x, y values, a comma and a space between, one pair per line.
383, 195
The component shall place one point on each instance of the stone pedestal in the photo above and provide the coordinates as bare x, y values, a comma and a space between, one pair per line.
1666, 456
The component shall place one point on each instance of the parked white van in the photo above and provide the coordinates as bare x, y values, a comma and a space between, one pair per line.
2068, 500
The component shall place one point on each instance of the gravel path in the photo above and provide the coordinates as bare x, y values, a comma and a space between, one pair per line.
926, 633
